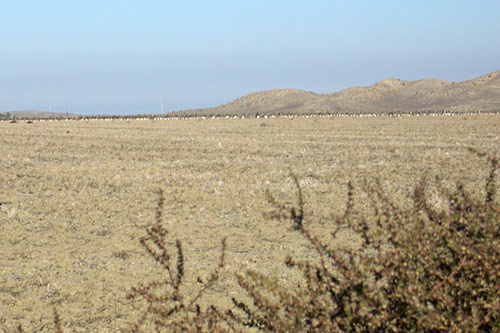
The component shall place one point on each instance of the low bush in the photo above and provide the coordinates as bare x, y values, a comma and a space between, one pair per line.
416, 269
167, 307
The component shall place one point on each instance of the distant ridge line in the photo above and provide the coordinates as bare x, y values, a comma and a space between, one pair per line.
390, 95
34, 114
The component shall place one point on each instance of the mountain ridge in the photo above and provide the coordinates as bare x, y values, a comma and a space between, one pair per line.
389, 95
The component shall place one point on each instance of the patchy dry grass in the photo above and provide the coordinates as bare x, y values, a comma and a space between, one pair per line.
76, 197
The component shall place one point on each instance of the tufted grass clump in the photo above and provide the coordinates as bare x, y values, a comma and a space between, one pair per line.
420, 268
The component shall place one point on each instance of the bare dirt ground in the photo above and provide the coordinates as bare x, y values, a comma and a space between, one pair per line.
77, 196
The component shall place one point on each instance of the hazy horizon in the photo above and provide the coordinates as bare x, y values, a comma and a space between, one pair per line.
102, 57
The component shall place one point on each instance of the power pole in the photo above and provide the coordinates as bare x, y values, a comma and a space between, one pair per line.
161, 105
50, 106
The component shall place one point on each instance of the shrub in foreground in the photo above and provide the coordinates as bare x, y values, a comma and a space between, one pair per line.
415, 269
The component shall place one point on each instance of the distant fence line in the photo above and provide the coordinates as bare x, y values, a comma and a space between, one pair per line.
174, 116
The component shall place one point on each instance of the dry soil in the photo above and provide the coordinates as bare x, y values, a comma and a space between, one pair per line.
76, 196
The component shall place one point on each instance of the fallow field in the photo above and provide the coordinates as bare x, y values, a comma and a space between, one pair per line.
76, 197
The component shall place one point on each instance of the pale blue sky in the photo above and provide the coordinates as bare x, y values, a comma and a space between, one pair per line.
120, 57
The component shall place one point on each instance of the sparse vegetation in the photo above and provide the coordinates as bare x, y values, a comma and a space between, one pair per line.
77, 198
416, 269
168, 308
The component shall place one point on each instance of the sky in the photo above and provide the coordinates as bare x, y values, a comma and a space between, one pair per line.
122, 57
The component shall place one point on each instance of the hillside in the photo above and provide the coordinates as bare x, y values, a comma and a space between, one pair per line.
480, 94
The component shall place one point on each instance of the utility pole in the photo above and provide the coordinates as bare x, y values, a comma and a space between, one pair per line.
50, 106
161, 105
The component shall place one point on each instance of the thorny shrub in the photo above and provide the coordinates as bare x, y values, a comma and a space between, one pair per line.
168, 308
415, 269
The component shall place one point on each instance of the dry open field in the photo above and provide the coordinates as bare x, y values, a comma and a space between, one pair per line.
77, 196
